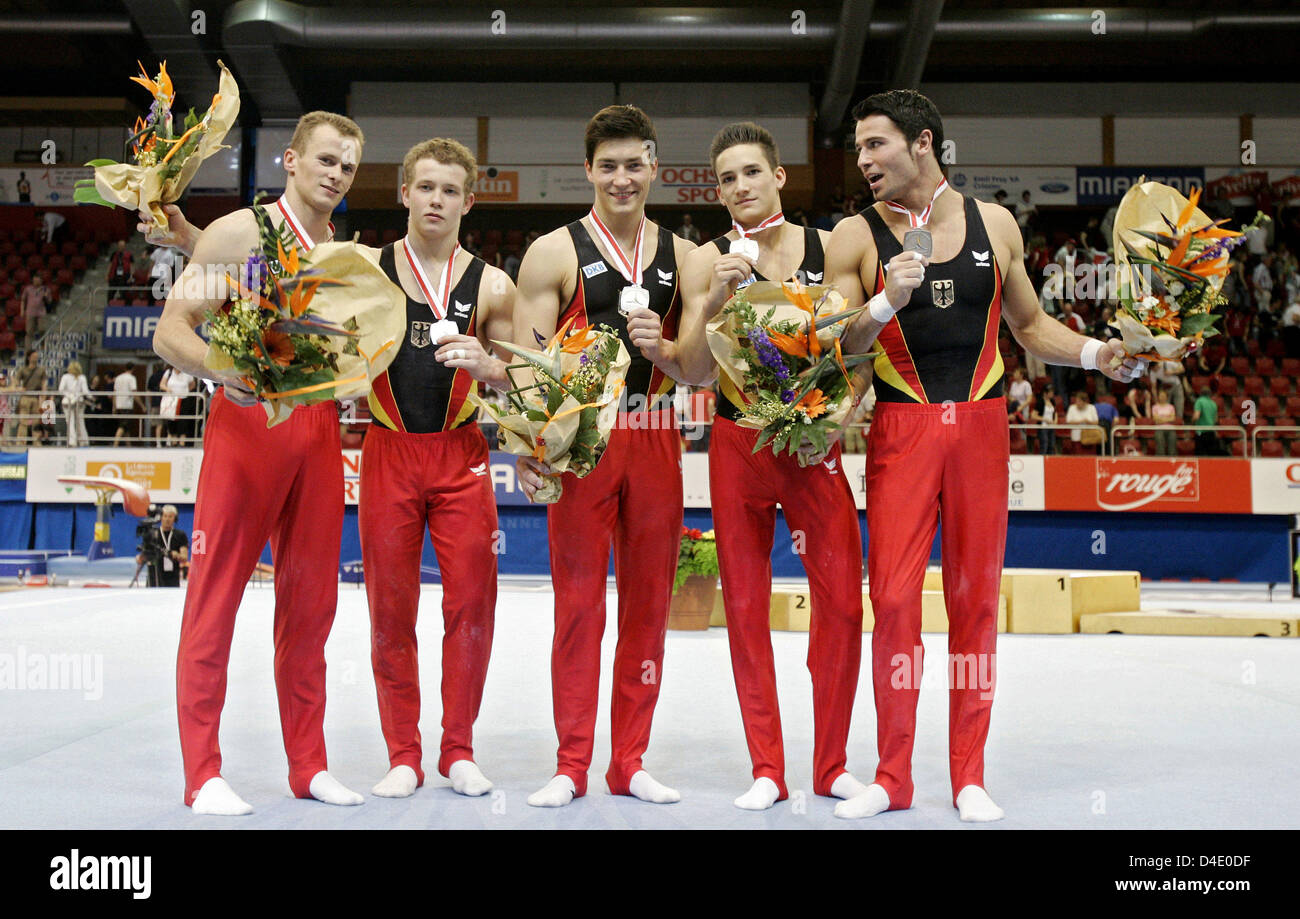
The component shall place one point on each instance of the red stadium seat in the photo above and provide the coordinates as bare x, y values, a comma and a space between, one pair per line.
35, 263
1227, 386
1018, 442
68, 249
1271, 448
90, 250
20, 277
391, 236
56, 263
7, 291
370, 238
13, 306
1130, 447
7, 341
1239, 365
1276, 349
18, 323
1265, 366
1292, 406
1254, 386
1291, 366
27, 248
65, 277
1252, 347
49, 249
13, 262
1280, 386
1293, 449
1186, 447
1270, 406
77, 263
1199, 382
1238, 447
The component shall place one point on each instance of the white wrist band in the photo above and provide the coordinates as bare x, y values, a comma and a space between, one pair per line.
880, 309
1088, 357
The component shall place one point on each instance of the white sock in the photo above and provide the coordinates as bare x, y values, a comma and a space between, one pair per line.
846, 786
466, 779
644, 786
558, 792
218, 799
871, 802
761, 795
400, 782
324, 787
975, 806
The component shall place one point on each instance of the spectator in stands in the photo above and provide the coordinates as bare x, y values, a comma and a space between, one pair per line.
1081, 411
7, 406
1268, 321
1261, 281
1212, 358
1169, 375
688, 230
75, 392
52, 224
1072, 319
1137, 401
1291, 328
1163, 413
837, 204
32, 382
1020, 389
35, 297
1205, 414
1067, 256
1236, 286
1026, 216
1107, 415
1044, 415
472, 243
163, 271
99, 420
798, 217
1000, 197
125, 403
119, 271
177, 385
1236, 326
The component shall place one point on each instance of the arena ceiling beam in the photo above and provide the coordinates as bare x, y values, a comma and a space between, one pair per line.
842, 75
922, 19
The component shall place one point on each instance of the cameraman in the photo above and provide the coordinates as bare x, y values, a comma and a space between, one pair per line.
166, 549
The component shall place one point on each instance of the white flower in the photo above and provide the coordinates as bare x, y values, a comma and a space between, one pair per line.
1175, 288
1149, 302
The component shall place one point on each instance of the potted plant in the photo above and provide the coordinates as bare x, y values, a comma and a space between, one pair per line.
696, 582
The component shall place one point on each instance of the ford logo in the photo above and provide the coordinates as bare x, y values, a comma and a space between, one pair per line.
1054, 188
959, 179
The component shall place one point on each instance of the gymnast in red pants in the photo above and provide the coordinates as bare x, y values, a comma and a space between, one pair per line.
614, 267
745, 487
424, 465
284, 484
943, 270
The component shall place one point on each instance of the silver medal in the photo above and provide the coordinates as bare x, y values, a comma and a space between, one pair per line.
918, 239
634, 296
747, 248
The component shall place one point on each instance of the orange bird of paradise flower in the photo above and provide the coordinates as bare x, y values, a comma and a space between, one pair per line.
162, 87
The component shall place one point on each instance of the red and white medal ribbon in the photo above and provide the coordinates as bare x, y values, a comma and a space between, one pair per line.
630, 269
774, 221
431, 294
300, 233
921, 219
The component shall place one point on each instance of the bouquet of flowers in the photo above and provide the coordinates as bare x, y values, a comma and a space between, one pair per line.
302, 333
698, 554
563, 418
163, 158
1172, 260
779, 347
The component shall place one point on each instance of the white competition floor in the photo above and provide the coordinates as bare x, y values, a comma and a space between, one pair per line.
1089, 732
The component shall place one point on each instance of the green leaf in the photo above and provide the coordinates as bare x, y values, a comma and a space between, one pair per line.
1196, 323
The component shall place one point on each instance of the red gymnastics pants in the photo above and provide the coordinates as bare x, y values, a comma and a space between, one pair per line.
925, 462
745, 488
632, 500
440, 481
283, 483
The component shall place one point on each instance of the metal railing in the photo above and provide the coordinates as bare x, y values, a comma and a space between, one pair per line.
1128, 429
17, 420
1255, 432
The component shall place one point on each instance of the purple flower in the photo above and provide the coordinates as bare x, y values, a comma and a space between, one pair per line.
787, 396
768, 355
583, 360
